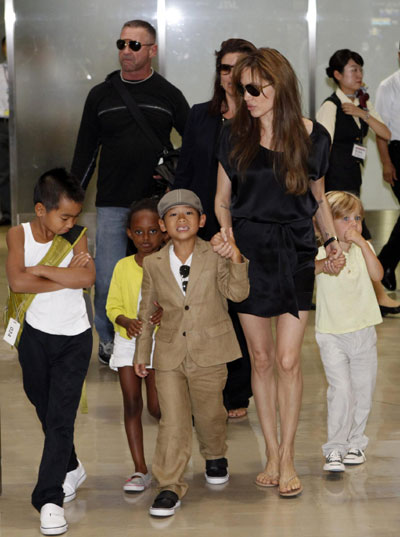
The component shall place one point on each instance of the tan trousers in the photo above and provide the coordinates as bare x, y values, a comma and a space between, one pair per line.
188, 389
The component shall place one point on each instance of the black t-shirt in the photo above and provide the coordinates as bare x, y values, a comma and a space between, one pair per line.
127, 157
261, 196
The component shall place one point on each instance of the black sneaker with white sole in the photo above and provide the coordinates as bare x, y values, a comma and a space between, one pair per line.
334, 462
165, 504
217, 471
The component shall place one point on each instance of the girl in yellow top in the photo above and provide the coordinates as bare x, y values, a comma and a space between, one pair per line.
122, 307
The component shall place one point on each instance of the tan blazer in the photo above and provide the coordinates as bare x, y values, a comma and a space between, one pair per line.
197, 323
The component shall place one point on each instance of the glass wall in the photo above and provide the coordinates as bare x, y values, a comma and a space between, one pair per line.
62, 49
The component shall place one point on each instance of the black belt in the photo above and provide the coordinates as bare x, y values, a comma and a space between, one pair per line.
395, 143
3, 119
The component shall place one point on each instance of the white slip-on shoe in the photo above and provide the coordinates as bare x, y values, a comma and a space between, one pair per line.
137, 482
52, 521
73, 480
355, 456
334, 462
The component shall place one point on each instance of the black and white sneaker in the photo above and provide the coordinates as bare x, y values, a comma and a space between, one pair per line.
334, 462
165, 504
105, 351
217, 471
355, 456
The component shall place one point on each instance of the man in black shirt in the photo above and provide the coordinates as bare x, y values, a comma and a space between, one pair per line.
127, 158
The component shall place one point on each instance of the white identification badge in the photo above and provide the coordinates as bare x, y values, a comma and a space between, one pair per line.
11, 332
359, 151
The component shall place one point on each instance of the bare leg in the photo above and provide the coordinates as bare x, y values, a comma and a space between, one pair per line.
258, 333
289, 338
152, 398
131, 386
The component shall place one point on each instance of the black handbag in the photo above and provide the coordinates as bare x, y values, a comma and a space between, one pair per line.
168, 158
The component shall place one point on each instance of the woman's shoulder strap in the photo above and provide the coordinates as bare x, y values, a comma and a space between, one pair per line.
333, 99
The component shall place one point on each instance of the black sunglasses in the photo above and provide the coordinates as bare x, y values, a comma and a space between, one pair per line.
133, 45
184, 271
252, 89
225, 68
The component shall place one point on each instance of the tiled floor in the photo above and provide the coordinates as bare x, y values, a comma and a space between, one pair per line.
363, 502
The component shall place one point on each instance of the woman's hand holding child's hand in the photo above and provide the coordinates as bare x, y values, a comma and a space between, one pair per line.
224, 244
334, 265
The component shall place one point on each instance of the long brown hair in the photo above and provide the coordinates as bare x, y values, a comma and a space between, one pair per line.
290, 140
233, 45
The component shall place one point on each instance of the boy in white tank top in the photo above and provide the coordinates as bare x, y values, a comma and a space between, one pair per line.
55, 346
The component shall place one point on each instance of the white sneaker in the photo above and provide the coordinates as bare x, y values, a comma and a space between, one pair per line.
73, 480
334, 462
355, 456
52, 521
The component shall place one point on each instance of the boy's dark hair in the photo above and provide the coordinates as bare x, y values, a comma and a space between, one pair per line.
53, 185
146, 204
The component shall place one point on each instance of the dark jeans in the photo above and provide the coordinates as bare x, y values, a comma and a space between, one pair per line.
390, 253
111, 243
54, 368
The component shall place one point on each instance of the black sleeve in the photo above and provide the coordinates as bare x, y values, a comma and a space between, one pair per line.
181, 113
184, 171
87, 144
318, 161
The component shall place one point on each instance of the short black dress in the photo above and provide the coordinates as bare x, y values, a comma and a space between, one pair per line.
274, 230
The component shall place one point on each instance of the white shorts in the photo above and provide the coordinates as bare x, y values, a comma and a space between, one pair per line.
124, 351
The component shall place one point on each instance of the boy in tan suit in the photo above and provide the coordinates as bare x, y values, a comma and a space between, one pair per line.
191, 282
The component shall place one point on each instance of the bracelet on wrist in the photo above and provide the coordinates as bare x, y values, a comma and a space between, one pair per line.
367, 117
331, 239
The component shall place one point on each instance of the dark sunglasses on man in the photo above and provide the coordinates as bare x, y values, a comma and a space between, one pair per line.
133, 45
252, 89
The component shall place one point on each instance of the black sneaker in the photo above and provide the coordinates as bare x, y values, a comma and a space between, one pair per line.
217, 471
105, 351
165, 504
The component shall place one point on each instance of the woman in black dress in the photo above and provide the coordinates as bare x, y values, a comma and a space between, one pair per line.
197, 171
270, 184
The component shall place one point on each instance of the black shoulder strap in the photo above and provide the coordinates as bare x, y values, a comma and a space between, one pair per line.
333, 99
73, 233
133, 108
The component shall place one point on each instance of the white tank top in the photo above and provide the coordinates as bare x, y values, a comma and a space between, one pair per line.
61, 312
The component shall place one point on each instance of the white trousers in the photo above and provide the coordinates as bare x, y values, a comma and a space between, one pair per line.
350, 363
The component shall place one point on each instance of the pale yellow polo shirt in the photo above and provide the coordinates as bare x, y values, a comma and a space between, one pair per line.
346, 302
